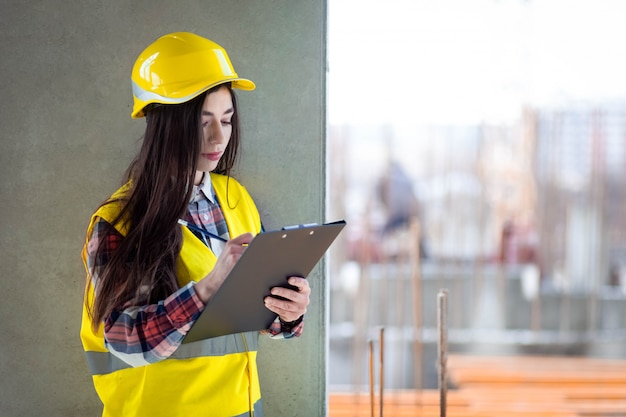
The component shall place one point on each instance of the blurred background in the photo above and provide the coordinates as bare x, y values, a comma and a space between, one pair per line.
477, 146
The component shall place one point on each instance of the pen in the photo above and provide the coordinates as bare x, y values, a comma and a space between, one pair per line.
197, 229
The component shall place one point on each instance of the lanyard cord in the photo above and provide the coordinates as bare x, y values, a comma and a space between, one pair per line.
250, 405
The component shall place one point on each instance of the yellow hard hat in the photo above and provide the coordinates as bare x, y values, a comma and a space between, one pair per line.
178, 67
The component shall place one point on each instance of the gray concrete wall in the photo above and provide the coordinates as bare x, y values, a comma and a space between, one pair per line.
66, 137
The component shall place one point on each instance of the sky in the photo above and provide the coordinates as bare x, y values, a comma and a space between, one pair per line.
470, 61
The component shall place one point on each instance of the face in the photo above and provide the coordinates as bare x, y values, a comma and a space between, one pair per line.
217, 112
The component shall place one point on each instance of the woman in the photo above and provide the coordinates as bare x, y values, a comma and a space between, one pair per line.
149, 278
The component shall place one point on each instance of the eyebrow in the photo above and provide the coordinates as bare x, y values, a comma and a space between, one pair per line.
208, 113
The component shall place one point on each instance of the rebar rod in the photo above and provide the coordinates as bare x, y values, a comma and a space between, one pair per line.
442, 319
371, 363
381, 370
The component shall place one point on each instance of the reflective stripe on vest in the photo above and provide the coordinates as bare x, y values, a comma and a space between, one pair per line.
101, 363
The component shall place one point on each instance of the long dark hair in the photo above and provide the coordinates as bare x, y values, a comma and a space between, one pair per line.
142, 270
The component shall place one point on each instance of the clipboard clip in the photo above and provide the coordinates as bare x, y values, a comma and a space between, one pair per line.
299, 226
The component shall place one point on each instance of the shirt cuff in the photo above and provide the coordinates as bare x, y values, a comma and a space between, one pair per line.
286, 330
184, 306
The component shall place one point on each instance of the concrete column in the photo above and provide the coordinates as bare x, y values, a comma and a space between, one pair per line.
67, 137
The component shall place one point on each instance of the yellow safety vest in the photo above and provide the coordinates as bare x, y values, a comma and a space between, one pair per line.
216, 377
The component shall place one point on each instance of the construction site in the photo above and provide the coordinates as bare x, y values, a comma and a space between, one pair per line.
521, 226
482, 271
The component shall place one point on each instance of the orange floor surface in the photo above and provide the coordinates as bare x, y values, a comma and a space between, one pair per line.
500, 386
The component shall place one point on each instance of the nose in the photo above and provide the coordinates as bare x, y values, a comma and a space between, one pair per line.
216, 132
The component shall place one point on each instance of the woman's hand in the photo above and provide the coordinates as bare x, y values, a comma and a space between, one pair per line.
233, 249
295, 303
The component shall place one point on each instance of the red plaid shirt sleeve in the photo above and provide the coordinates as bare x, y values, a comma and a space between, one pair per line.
142, 334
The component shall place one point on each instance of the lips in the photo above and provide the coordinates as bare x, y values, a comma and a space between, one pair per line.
212, 156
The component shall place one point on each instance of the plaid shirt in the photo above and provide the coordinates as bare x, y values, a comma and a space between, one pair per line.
140, 335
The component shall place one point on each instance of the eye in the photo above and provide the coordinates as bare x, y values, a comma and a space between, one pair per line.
226, 122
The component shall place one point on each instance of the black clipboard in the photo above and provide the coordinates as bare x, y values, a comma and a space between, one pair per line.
270, 258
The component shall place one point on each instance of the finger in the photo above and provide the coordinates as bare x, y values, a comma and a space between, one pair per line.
290, 295
238, 245
277, 306
287, 311
243, 239
299, 282
301, 296
285, 305
298, 305
285, 316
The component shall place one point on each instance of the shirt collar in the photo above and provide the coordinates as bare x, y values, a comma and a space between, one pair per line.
204, 190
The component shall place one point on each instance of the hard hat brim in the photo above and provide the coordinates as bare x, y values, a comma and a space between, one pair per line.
150, 98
